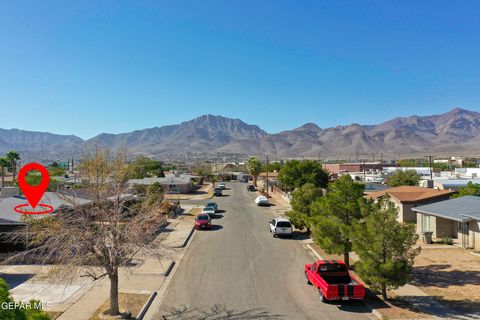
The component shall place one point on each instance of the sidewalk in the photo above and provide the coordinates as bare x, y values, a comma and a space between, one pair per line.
79, 299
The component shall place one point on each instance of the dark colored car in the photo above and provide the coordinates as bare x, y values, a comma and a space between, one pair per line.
202, 221
251, 187
217, 192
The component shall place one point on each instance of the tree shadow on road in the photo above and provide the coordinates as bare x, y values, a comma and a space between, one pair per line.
217, 311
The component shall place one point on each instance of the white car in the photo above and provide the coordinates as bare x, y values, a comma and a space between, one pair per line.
210, 211
261, 201
222, 185
281, 227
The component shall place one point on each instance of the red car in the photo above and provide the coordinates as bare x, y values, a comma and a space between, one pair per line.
202, 221
333, 281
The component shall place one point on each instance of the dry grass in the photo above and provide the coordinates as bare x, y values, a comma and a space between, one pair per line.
451, 275
130, 302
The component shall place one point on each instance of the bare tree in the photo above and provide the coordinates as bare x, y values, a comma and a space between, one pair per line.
98, 238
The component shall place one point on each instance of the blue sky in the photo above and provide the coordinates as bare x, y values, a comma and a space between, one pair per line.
88, 67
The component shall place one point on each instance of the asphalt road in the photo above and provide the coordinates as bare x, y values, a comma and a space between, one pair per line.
238, 270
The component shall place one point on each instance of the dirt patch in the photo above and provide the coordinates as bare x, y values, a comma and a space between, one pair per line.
451, 275
130, 302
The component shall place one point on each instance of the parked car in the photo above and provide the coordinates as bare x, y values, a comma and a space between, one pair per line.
217, 192
281, 227
203, 221
213, 205
333, 281
222, 185
251, 187
210, 211
262, 201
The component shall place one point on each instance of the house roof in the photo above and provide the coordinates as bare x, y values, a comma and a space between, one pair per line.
409, 194
459, 209
9, 216
168, 179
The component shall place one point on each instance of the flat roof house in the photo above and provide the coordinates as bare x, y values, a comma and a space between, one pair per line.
9, 219
457, 218
406, 198
171, 183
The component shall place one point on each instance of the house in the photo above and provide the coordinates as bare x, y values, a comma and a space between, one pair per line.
171, 183
272, 179
337, 168
10, 220
406, 198
453, 184
457, 218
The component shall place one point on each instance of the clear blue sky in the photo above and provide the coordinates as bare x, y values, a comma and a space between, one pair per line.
98, 66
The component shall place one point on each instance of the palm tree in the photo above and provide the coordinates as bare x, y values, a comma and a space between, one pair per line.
3, 164
13, 157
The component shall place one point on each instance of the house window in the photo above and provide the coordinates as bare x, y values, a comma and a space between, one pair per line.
426, 223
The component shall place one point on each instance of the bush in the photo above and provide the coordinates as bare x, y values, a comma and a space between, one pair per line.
28, 313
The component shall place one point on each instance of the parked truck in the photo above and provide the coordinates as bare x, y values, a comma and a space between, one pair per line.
333, 281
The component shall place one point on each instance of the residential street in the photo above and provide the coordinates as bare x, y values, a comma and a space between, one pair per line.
238, 270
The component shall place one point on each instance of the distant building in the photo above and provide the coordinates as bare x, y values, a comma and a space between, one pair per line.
171, 183
453, 184
338, 168
458, 219
406, 198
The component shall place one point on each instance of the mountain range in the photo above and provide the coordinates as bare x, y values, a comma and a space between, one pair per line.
454, 132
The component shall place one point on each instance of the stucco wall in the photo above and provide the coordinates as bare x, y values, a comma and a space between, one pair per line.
443, 227
474, 227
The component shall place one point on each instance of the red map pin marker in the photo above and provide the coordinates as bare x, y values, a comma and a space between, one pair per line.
33, 193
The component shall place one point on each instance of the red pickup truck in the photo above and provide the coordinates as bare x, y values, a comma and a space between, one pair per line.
333, 281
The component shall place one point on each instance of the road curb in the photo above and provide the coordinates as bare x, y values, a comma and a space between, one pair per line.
147, 305
169, 269
188, 237
162, 290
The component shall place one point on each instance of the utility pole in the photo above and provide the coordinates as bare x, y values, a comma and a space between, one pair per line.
357, 152
267, 176
364, 172
381, 158
430, 165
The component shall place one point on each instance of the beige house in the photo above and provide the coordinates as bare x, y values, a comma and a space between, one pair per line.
457, 218
406, 198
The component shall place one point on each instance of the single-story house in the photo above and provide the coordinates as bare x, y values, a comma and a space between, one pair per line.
457, 218
406, 198
453, 184
9, 219
171, 183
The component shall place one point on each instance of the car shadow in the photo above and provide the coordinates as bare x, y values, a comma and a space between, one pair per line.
223, 195
215, 227
220, 211
217, 216
297, 236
